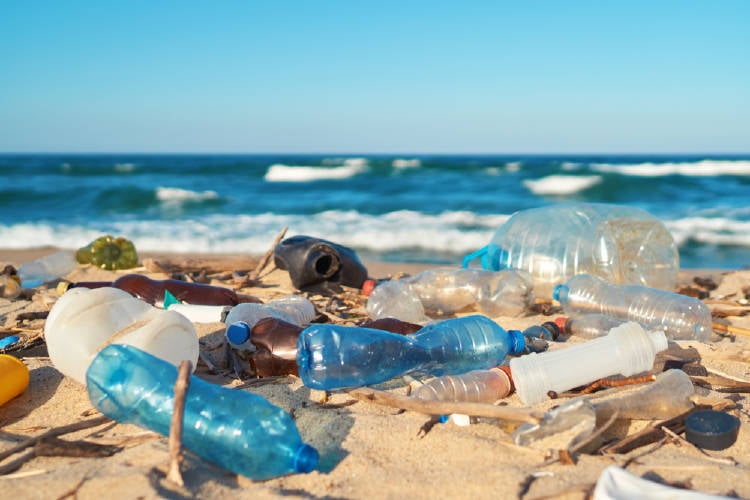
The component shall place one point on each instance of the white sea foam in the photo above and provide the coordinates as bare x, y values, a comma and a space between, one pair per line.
302, 173
703, 168
124, 167
561, 184
709, 230
171, 194
513, 166
404, 163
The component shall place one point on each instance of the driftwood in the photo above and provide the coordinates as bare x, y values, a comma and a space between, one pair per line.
208, 265
175, 430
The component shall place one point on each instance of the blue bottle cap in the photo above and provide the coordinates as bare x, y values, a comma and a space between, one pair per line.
238, 333
559, 290
8, 341
518, 341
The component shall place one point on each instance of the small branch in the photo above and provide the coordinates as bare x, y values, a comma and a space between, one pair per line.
253, 275
175, 430
447, 407
730, 329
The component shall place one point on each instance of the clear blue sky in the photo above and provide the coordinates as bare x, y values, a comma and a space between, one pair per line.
375, 77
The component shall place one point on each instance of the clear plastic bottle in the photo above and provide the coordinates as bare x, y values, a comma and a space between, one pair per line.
627, 349
681, 317
83, 321
476, 386
47, 268
335, 356
235, 429
622, 244
589, 326
443, 291
241, 319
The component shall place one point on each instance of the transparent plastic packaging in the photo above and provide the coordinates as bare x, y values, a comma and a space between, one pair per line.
14, 378
241, 319
442, 291
476, 386
589, 326
335, 356
621, 244
83, 321
681, 317
235, 429
197, 313
47, 268
627, 349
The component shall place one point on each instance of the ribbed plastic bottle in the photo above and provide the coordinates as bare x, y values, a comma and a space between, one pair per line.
235, 429
242, 318
335, 356
47, 268
627, 349
622, 244
681, 317
442, 291
589, 326
476, 386
152, 291
83, 321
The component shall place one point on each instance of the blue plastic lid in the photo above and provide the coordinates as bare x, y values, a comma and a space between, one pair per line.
8, 341
238, 333
559, 289
518, 341
493, 257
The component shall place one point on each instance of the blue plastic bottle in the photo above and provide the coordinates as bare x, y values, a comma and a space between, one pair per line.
237, 430
335, 356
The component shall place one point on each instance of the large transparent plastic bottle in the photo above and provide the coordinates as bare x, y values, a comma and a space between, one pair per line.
443, 291
47, 268
83, 320
241, 319
621, 244
681, 317
336, 356
627, 349
235, 429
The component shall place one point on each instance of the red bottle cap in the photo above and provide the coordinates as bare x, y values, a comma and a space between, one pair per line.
368, 286
560, 322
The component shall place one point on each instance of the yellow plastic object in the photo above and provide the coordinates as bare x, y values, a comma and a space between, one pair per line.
109, 252
14, 378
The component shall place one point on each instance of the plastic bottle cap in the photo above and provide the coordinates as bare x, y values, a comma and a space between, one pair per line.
367, 287
238, 333
8, 341
561, 322
559, 289
712, 430
62, 287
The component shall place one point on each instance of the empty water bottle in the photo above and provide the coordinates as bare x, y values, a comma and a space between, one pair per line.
627, 349
443, 291
589, 326
242, 318
476, 386
622, 244
47, 268
681, 317
335, 356
235, 429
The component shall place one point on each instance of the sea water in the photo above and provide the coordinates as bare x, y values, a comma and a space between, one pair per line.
398, 208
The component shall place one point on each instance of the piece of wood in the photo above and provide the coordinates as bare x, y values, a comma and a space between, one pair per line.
730, 329
253, 275
209, 265
175, 430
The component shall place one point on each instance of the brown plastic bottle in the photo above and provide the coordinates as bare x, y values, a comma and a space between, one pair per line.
152, 291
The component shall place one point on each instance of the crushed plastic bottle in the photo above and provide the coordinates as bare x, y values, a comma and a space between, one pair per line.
627, 349
622, 244
442, 291
47, 268
681, 317
235, 429
335, 356
476, 386
14, 378
275, 343
83, 320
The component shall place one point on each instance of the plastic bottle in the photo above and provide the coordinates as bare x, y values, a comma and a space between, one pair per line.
443, 291
275, 342
14, 378
47, 268
589, 326
335, 356
152, 291
476, 386
621, 244
242, 318
108, 252
680, 316
83, 321
627, 349
235, 429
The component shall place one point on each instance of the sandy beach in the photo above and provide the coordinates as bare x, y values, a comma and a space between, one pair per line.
367, 450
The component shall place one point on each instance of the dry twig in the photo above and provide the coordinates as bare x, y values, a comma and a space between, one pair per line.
253, 275
175, 430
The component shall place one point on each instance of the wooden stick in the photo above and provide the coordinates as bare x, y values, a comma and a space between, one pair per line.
447, 407
731, 329
175, 430
251, 276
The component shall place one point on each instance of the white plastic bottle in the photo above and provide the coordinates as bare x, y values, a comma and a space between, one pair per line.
681, 317
47, 268
242, 318
442, 291
627, 349
621, 244
83, 321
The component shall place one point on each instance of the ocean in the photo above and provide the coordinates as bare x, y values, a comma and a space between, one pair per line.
396, 208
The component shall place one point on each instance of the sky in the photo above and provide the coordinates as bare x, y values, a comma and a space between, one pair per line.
276, 76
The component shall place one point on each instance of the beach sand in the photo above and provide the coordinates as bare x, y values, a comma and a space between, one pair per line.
366, 450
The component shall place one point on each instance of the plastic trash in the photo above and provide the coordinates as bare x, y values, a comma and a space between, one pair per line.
627, 349
589, 326
83, 321
576, 417
442, 291
152, 291
615, 483
242, 318
712, 429
109, 252
275, 343
621, 244
14, 378
311, 261
235, 429
476, 386
10, 283
335, 356
392, 325
681, 317
47, 268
